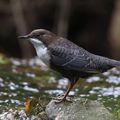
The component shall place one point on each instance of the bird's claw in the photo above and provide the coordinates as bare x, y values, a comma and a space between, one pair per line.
61, 99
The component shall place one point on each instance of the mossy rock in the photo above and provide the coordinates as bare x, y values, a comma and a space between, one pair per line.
79, 109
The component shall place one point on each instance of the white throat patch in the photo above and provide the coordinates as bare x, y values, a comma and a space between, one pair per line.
41, 50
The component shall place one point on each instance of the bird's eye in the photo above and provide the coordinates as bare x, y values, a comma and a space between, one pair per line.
37, 35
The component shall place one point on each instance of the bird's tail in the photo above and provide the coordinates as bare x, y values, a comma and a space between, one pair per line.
110, 63
114, 63
104, 63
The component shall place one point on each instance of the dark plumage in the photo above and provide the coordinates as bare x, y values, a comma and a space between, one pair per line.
69, 59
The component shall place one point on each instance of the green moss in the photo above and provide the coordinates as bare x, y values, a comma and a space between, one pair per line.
116, 115
42, 77
4, 59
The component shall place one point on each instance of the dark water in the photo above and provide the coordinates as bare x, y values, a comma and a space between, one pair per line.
23, 79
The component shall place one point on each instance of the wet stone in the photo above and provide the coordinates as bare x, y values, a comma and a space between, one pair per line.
79, 109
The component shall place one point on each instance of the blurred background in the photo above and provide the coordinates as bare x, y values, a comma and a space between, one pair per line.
92, 24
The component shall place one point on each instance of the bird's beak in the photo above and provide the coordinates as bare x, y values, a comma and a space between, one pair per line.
24, 37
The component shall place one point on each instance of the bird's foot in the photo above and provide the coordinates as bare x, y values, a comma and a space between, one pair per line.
58, 97
62, 98
58, 101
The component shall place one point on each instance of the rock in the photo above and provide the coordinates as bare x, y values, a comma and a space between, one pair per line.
79, 109
17, 115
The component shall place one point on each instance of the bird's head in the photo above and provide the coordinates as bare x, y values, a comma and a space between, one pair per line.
39, 36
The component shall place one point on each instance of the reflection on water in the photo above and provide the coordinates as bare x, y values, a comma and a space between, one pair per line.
23, 79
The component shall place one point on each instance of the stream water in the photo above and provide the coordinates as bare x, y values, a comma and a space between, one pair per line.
23, 79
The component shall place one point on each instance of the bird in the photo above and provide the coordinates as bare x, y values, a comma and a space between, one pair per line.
66, 57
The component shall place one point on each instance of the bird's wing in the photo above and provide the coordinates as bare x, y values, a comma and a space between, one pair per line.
73, 59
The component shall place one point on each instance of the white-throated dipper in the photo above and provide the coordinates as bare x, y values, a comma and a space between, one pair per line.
67, 58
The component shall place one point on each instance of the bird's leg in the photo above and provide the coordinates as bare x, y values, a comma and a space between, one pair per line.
67, 92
